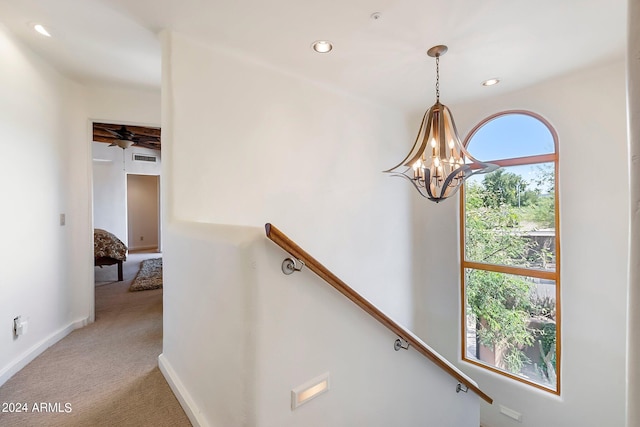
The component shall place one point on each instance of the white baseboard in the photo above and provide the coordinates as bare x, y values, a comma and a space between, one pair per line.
181, 393
142, 248
37, 349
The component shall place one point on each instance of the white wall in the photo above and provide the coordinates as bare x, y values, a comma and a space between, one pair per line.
588, 111
633, 100
44, 172
125, 105
253, 334
251, 144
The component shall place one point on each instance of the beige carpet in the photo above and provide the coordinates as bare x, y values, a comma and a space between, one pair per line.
107, 372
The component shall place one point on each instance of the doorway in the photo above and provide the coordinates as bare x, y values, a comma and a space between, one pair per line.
143, 212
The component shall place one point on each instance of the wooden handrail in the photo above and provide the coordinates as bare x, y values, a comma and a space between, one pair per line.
280, 239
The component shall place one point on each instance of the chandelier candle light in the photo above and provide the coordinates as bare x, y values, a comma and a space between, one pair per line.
438, 163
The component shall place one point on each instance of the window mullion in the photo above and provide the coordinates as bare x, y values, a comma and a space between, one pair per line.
519, 271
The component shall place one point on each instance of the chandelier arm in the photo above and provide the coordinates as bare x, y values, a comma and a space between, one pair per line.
473, 159
453, 124
453, 174
423, 146
442, 136
412, 181
486, 167
427, 184
425, 134
454, 191
411, 159
420, 189
462, 146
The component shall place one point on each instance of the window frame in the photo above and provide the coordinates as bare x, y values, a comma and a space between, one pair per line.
520, 271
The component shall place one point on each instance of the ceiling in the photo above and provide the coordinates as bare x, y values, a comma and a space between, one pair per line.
521, 42
119, 134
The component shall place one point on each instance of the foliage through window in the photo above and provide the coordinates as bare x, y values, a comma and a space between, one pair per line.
510, 251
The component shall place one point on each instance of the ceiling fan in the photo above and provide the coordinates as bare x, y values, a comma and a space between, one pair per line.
125, 136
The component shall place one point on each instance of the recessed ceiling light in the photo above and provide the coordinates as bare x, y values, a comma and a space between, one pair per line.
491, 82
322, 46
42, 30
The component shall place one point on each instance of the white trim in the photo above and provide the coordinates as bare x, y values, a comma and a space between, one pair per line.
181, 393
142, 248
37, 349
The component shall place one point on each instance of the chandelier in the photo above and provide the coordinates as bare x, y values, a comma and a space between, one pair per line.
438, 163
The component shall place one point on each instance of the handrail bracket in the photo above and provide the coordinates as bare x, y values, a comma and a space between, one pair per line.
401, 343
459, 388
291, 265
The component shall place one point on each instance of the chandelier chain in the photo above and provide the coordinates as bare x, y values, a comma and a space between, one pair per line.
438, 78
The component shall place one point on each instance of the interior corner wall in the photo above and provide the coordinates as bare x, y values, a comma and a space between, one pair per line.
588, 111
252, 144
633, 100
44, 173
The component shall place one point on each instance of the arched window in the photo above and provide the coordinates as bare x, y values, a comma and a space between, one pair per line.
510, 251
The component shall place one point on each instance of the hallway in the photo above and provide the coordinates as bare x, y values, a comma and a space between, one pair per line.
104, 374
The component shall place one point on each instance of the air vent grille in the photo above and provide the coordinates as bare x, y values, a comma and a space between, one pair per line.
143, 158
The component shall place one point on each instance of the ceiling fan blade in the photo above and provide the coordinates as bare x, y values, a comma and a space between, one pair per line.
149, 145
122, 143
126, 133
137, 139
123, 133
111, 131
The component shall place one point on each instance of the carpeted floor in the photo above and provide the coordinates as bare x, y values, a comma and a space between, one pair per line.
106, 373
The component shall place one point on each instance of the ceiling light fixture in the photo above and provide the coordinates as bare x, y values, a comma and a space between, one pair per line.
122, 143
491, 82
322, 46
41, 30
438, 163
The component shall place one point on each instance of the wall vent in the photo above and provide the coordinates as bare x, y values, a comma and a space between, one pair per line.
143, 158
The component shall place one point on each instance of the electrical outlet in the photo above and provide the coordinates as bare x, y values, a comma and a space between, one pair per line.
141, 238
63, 219
20, 326
17, 326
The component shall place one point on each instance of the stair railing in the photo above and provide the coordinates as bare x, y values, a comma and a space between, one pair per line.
405, 339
